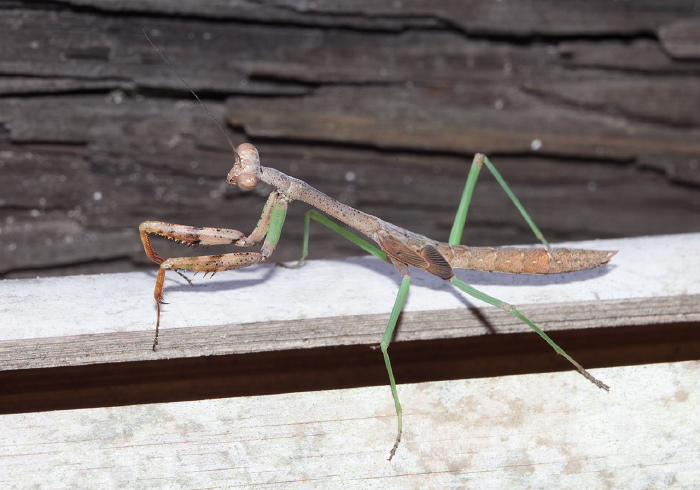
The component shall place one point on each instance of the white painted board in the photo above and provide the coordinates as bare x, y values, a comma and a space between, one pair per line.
532, 431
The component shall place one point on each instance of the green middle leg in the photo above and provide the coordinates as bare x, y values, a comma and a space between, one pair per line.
395, 312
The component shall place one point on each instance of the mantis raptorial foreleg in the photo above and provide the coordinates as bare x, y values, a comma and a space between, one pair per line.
269, 227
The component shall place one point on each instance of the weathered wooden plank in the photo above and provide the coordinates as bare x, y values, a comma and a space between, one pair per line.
524, 18
681, 38
471, 118
95, 137
66, 322
83, 342
290, 335
639, 55
510, 18
670, 102
516, 431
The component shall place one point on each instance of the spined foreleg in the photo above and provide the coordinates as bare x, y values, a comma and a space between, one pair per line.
269, 227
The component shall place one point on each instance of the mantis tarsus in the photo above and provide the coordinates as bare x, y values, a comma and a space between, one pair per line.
400, 247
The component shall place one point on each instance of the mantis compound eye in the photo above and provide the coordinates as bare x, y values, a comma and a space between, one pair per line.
247, 180
246, 171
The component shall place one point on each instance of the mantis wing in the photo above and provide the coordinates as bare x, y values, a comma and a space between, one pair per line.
427, 258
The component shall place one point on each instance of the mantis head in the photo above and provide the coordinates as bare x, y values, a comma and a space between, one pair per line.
246, 169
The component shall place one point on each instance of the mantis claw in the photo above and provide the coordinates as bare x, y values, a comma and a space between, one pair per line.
396, 446
184, 277
159, 301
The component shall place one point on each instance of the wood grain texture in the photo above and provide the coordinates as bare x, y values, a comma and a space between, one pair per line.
516, 431
230, 400
248, 338
85, 341
587, 110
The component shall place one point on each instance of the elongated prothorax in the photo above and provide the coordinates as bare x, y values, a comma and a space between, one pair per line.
524, 260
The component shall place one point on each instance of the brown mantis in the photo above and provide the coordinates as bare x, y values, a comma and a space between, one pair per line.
400, 247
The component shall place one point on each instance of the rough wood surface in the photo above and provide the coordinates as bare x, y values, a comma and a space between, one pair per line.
536, 431
85, 341
588, 109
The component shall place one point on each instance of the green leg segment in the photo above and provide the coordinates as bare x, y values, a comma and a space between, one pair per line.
461, 217
315, 215
456, 237
458, 283
395, 312
384, 345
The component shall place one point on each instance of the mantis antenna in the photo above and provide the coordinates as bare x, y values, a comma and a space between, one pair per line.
233, 147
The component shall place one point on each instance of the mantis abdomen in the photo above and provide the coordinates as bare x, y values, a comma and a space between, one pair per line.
524, 260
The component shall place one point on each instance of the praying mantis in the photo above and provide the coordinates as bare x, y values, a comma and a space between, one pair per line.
397, 246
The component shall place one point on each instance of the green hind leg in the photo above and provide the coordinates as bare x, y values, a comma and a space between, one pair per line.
461, 285
461, 216
455, 239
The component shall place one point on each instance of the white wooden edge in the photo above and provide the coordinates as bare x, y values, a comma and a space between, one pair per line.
545, 430
65, 321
